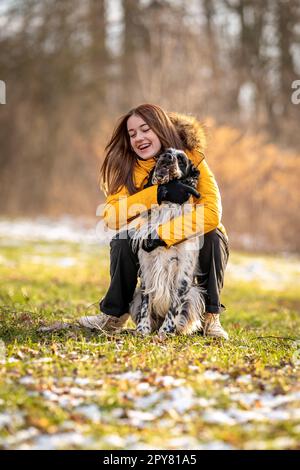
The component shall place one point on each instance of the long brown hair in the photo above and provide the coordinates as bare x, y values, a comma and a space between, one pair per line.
118, 167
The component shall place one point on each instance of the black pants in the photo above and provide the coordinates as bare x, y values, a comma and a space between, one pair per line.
124, 265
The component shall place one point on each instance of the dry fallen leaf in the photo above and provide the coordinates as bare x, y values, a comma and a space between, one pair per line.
57, 326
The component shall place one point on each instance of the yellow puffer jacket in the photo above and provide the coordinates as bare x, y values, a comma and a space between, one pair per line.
121, 208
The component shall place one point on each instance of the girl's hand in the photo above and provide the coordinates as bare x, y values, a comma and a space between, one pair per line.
153, 241
176, 192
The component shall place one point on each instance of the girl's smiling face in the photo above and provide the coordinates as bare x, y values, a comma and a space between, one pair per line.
144, 141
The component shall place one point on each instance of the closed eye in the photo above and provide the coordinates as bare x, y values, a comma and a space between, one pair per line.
144, 130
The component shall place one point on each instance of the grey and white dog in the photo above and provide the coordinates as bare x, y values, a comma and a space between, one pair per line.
167, 300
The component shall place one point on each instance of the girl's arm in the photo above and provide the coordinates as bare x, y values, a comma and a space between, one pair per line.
205, 215
121, 208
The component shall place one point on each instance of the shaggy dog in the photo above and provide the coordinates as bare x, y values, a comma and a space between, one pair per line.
167, 299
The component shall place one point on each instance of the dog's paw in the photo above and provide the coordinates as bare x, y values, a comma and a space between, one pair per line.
143, 330
163, 334
161, 337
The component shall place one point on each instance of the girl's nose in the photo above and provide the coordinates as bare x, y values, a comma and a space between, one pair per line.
139, 136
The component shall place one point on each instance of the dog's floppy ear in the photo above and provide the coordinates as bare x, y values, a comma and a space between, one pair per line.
183, 162
193, 171
149, 182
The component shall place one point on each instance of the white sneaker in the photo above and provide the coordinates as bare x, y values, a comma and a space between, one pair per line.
103, 322
213, 327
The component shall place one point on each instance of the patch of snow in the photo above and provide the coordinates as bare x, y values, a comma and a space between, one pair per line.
81, 380
63, 262
27, 380
214, 375
144, 387
5, 419
9, 360
179, 399
234, 416
270, 273
65, 228
91, 412
60, 441
15, 419
113, 440
41, 360
265, 399
184, 442
182, 399
130, 375
216, 445
167, 381
137, 417
148, 400
218, 417
19, 437
244, 379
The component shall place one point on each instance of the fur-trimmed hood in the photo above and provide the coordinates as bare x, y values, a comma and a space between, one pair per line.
193, 135
191, 131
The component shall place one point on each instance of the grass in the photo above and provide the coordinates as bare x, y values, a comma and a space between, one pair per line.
78, 390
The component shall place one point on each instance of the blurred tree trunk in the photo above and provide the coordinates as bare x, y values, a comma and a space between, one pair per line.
131, 43
286, 22
214, 53
98, 53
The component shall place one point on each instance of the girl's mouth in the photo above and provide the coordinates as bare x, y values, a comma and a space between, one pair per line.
144, 147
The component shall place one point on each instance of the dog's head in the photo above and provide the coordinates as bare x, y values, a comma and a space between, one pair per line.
171, 164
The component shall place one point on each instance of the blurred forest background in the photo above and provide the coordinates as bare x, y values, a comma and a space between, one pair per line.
72, 67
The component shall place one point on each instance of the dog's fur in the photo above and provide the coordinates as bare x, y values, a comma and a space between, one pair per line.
167, 299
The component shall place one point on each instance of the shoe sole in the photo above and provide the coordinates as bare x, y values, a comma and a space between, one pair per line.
87, 324
212, 335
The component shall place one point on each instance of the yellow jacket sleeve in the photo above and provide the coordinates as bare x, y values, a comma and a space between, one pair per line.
120, 208
205, 215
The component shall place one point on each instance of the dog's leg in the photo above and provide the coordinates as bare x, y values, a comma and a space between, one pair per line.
183, 318
178, 315
168, 327
143, 318
190, 316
